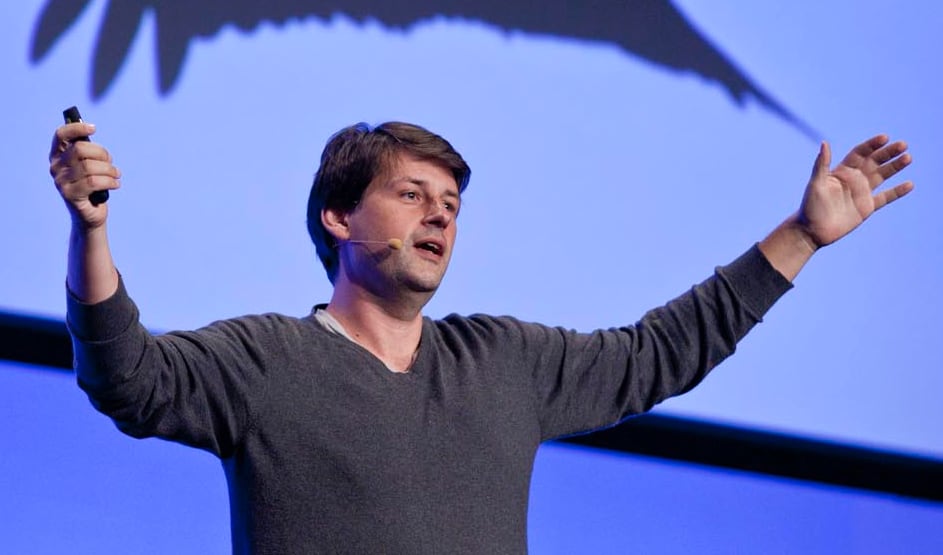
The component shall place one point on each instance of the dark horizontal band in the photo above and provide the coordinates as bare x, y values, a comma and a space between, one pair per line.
774, 454
46, 343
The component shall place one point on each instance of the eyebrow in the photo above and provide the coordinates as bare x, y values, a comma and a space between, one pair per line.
453, 193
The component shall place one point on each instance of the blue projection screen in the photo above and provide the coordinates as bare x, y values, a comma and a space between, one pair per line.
604, 182
608, 175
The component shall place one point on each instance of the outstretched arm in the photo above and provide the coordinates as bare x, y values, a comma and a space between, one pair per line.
79, 169
837, 201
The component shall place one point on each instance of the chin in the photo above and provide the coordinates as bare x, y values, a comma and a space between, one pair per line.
421, 284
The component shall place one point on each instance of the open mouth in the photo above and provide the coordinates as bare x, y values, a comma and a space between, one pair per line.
430, 246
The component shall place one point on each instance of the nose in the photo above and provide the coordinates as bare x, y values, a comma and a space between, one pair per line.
437, 214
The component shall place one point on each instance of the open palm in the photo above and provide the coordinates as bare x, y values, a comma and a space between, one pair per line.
837, 201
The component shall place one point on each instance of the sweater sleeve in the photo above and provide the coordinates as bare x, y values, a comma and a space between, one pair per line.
588, 381
197, 388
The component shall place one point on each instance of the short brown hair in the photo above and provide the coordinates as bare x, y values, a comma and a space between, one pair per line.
353, 157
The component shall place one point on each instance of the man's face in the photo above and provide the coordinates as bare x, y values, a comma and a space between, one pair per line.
415, 201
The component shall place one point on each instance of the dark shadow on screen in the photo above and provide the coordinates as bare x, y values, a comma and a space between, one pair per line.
651, 30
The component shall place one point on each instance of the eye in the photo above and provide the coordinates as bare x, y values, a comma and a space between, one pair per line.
409, 195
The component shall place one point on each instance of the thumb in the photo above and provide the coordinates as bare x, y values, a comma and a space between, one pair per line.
823, 161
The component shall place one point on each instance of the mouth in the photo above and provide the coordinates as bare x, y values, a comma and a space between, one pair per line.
430, 245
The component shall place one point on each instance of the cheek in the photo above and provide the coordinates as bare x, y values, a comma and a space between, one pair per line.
381, 220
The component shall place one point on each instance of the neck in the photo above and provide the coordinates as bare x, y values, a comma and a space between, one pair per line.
389, 330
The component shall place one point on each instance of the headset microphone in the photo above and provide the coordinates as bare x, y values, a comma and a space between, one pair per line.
395, 244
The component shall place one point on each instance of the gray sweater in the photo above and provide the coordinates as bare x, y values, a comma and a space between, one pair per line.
327, 451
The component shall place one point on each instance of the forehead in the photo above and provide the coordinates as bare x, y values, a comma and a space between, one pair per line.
407, 168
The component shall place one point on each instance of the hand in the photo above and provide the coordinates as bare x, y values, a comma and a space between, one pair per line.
80, 168
838, 201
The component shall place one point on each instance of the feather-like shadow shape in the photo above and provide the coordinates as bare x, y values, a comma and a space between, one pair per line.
56, 17
652, 30
119, 27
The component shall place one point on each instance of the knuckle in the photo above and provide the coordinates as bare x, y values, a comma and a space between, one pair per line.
98, 182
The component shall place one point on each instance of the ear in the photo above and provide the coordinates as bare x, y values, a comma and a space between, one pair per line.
336, 223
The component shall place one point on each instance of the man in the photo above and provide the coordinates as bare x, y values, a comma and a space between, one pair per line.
366, 428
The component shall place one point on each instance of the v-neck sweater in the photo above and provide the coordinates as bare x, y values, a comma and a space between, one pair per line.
327, 451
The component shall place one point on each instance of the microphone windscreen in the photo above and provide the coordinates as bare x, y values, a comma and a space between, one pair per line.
395, 244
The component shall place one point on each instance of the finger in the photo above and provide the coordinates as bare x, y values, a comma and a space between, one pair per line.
889, 169
85, 151
81, 189
88, 151
74, 154
81, 159
863, 151
67, 134
89, 168
888, 196
890, 151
